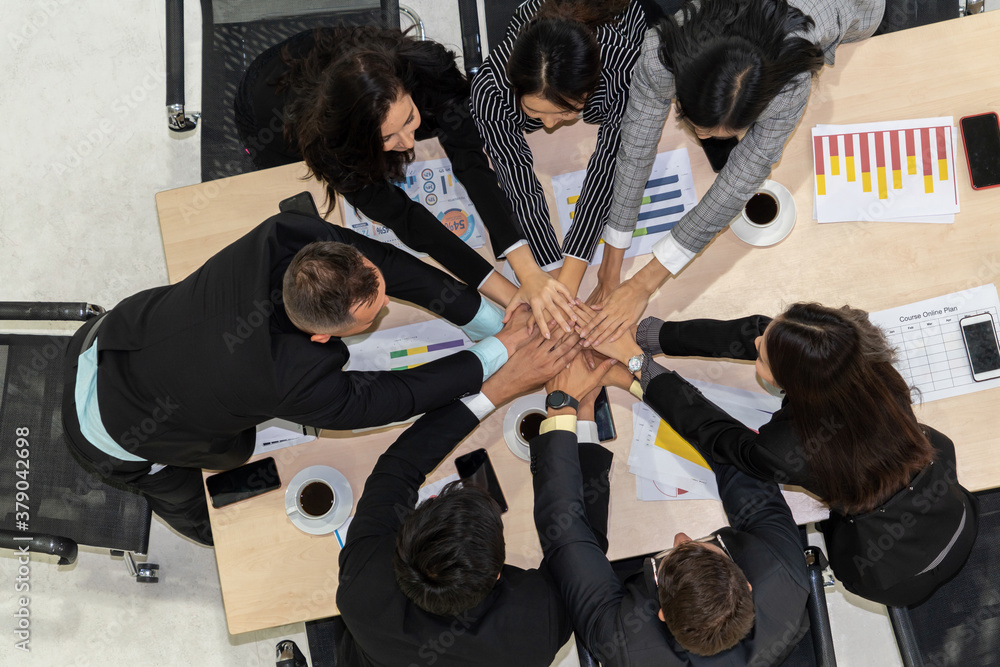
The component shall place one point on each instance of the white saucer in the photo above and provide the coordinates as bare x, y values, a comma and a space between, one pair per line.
342, 503
512, 420
759, 236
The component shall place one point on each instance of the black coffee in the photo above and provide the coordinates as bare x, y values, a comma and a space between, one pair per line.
316, 498
762, 208
530, 424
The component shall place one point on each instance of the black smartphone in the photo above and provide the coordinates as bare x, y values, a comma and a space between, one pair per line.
981, 136
244, 482
302, 203
475, 468
602, 415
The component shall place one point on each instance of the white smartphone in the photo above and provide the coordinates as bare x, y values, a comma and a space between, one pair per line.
980, 336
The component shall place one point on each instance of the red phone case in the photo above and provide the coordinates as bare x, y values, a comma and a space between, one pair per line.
965, 146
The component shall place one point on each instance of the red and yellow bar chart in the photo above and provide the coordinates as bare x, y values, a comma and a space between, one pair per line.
885, 171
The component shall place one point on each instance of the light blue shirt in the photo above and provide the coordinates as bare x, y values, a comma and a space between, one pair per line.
88, 413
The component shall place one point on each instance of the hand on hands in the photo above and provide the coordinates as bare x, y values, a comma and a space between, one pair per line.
617, 348
548, 299
621, 310
578, 379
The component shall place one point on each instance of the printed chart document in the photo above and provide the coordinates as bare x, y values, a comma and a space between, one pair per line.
431, 183
930, 351
669, 194
404, 347
897, 171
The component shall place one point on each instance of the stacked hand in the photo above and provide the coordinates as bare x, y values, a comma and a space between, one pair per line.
611, 315
548, 299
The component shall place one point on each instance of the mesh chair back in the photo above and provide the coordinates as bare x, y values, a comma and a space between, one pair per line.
235, 32
64, 498
960, 624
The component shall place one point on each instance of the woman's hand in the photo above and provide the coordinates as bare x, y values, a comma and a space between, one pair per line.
621, 311
548, 299
617, 348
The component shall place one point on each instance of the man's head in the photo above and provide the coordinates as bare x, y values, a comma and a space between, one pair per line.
450, 550
331, 289
705, 599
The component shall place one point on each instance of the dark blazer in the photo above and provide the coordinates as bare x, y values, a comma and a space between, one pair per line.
522, 621
443, 101
618, 621
877, 555
187, 371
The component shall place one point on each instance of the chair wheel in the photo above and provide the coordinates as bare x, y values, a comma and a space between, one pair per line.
148, 573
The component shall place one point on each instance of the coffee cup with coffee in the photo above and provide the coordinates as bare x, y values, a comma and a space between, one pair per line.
762, 209
314, 500
529, 423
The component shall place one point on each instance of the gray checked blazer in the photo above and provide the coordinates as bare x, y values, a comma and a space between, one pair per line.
650, 97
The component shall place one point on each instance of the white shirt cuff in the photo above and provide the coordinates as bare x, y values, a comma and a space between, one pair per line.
672, 255
514, 247
553, 266
617, 238
479, 404
587, 432
483, 281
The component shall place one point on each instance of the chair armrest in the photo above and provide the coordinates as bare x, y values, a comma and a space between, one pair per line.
49, 311
906, 638
819, 615
63, 547
586, 657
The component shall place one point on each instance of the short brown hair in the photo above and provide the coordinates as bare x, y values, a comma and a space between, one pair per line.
705, 598
323, 283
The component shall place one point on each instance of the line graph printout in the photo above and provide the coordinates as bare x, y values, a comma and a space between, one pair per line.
405, 347
432, 184
929, 348
885, 171
668, 195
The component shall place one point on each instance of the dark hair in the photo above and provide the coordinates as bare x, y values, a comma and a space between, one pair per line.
323, 283
705, 598
556, 55
730, 58
851, 408
340, 92
450, 550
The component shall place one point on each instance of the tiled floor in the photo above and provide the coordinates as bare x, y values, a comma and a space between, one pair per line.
85, 147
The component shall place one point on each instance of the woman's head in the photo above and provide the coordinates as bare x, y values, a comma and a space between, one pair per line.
731, 58
851, 408
351, 105
555, 62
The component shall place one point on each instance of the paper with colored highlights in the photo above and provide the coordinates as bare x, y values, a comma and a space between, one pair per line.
432, 184
901, 171
668, 195
404, 347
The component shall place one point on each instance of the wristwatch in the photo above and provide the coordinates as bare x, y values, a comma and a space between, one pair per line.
560, 399
635, 363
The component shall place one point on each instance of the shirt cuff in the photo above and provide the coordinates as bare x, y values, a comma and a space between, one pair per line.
514, 247
479, 404
483, 281
587, 432
617, 238
636, 389
672, 255
559, 423
553, 266
648, 335
492, 354
487, 322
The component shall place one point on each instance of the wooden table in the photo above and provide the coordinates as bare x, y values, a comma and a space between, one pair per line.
273, 574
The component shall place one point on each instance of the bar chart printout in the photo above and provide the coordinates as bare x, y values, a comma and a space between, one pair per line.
432, 184
405, 347
930, 353
668, 195
895, 170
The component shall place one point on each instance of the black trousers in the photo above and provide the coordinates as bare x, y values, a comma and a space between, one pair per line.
176, 494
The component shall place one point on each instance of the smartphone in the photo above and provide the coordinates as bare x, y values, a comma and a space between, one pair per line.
602, 415
980, 336
244, 482
475, 468
981, 136
302, 203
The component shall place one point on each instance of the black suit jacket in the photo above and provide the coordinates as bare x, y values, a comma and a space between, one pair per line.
870, 553
618, 621
522, 621
187, 371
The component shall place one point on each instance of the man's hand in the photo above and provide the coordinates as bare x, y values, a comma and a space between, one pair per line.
621, 349
619, 377
621, 310
531, 366
517, 331
586, 410
548, 299
578, 380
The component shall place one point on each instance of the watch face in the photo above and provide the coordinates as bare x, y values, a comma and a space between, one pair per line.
635, 363
556, 399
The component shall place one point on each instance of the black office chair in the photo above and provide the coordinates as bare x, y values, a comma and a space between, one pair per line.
959, 625
234, 32
324, 637
49, 502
